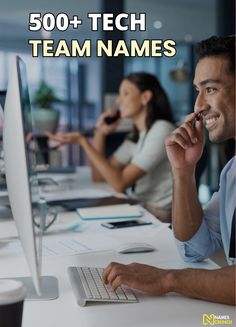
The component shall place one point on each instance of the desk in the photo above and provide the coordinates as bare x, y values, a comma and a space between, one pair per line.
170, 310
75, 185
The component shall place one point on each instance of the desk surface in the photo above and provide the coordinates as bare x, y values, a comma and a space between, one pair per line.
170, 310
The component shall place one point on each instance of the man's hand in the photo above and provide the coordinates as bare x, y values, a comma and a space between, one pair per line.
184, 145
66, 138
145, 278
216, 285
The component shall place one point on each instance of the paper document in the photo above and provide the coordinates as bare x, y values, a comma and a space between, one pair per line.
65, 247
110, 212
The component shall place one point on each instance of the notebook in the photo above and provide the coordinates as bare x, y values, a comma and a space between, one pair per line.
109, 212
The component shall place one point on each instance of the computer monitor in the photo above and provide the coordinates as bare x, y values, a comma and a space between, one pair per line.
1, 145
5, 211
1, 127
21, 178
1, 122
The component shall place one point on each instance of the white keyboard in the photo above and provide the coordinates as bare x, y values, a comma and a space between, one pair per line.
88, 286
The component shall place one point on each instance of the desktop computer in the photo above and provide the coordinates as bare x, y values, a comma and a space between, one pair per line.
23, 194
22, 180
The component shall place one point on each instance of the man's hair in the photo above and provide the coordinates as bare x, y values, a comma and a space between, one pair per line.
218, 46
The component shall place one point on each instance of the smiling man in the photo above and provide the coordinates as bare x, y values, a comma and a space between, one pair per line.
199, 232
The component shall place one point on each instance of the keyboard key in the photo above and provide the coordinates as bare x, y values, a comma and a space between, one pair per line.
111, 293
120, 293
130, 295
85, 285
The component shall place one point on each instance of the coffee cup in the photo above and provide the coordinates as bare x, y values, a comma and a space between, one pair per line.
12, 295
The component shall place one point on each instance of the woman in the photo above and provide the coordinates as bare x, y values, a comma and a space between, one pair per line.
141, 161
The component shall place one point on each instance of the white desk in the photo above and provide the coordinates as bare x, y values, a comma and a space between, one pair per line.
80, 185
170, 310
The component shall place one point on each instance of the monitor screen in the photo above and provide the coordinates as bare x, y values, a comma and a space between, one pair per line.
2, 98
30, 142
2, 104
27, 120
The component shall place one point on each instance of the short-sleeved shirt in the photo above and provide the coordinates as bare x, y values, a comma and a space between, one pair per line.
215, 231
149, 154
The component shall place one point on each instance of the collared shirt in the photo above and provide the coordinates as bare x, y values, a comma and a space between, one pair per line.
215, 230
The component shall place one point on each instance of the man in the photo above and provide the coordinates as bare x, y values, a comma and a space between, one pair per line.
199, 232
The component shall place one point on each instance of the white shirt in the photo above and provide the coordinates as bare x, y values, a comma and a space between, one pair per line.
149, 154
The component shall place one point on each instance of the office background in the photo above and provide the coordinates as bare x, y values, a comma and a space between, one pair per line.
83, 83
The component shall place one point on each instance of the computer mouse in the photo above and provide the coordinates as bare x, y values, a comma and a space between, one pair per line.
135, 248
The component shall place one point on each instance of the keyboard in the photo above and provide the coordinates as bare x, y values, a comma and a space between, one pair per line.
88, 286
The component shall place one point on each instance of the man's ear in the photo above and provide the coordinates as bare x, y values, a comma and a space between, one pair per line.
146, 97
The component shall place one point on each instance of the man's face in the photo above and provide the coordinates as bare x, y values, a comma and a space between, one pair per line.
215, 85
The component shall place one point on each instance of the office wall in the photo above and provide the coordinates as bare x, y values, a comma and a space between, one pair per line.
186, 21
